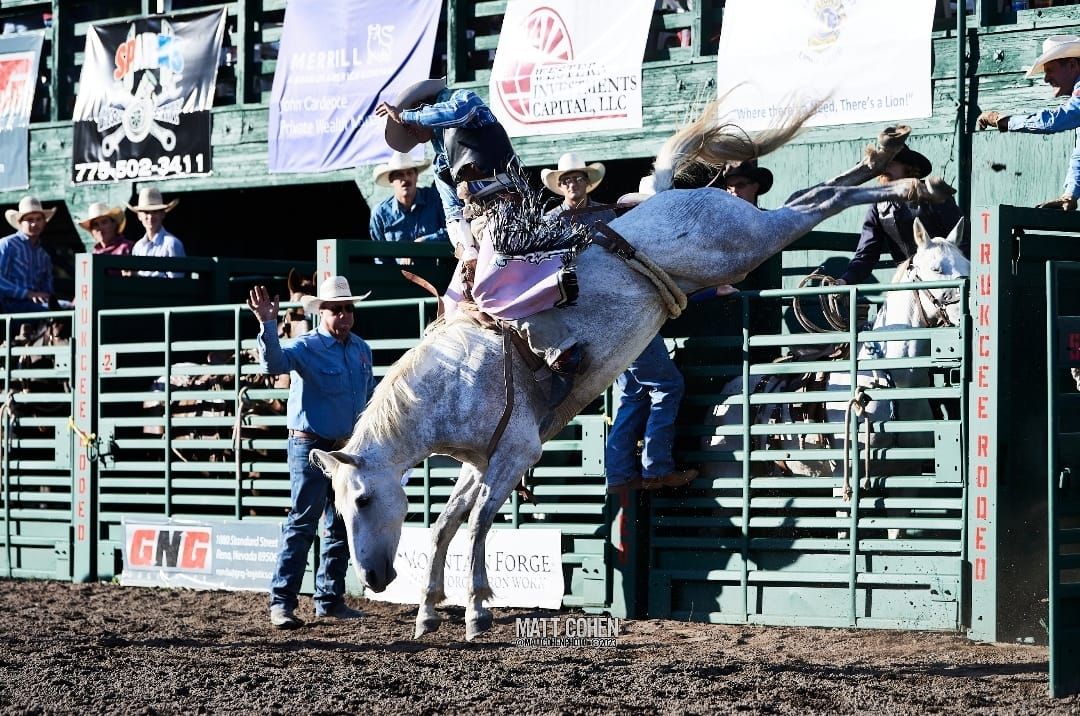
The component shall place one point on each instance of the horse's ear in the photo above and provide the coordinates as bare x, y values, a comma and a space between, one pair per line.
293, 282
328, 462
922, 238
957, 233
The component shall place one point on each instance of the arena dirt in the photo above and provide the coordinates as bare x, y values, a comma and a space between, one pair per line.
102, 648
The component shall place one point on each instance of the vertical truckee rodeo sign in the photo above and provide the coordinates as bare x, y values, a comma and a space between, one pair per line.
145, 94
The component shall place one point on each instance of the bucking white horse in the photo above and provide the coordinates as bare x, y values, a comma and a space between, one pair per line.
446, 395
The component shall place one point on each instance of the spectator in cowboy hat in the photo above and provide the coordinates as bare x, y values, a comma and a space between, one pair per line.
890, 224
413, 213
106, 224
1059, 65
26, 272
331, 382
151, 209
575, 180
747, 180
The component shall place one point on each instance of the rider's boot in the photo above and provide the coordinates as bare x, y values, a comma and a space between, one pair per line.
564, 368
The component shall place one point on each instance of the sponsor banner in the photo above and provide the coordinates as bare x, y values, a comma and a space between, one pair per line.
19, 58
145, 94
524, 568
236, 555
865, 60
570, 66
338, 60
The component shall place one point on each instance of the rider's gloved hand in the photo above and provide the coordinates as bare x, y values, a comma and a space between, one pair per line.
1062, 203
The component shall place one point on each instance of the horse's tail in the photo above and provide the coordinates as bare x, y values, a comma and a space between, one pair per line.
712, 141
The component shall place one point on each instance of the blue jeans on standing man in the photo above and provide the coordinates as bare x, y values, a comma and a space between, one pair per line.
312, 500
651, 390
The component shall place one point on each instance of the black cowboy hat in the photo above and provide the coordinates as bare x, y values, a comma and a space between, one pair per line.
911, 158
749, 169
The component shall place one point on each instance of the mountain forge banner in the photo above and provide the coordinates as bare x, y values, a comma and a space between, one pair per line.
19, 58
145, 94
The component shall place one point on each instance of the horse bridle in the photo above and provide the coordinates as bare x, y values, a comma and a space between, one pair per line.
940, 315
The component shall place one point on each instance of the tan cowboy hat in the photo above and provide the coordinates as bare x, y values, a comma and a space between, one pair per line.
398, 162
333, 290
396, 135
27, 205
99, 209
571, 162
646, 189
150, 200
1055, 47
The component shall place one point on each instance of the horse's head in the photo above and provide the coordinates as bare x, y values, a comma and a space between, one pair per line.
373, 508
940, 259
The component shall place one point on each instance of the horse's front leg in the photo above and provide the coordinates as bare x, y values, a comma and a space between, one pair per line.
509, 463
460, 502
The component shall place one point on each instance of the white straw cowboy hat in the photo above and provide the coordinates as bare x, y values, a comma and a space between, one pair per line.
27, 205
333, 290
150, 200
1055, 47
646, 189
99, 209
398, 162
396, 135
571, 162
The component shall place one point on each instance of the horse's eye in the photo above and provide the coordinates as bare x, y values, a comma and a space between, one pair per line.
362, 501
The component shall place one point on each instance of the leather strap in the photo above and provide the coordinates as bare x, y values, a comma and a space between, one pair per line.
609, 239
426, 285
508, 389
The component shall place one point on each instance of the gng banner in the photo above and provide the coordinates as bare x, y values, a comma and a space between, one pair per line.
145, 93
570, 65
867, 60
19, 57
338, 59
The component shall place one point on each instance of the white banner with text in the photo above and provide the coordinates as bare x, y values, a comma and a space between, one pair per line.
865, 60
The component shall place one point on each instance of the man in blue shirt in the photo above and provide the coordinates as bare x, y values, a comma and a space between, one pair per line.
26, 277
332, 381
1059, 64
413, 213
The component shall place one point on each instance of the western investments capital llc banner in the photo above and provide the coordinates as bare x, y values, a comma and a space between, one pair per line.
866, 60
570, 66
338, 60
145, 94
19, 58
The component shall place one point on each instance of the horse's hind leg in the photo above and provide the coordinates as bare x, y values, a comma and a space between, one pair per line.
460, 502
507, 466
876, 157
819, 203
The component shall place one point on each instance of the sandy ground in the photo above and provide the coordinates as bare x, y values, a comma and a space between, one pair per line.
102, 648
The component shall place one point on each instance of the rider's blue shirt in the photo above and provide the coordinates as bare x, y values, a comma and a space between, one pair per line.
330, 382
1050, 121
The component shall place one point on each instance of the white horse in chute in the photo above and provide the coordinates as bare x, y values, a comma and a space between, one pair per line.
446, 395
935, 259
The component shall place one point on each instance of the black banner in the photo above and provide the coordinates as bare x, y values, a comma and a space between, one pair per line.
145, 93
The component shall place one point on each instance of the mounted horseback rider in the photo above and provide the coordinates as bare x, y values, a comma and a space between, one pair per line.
514, 266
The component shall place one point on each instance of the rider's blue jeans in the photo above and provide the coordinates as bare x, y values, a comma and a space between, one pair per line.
650, 392
312, 500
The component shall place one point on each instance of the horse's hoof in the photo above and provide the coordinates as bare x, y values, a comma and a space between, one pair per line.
426, 626
894, 138
935, 190
478, 624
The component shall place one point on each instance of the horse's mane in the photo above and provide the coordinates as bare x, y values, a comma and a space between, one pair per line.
386, 416
711, 143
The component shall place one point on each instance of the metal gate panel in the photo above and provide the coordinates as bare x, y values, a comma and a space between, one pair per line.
756, 548
36, 448
1063, 474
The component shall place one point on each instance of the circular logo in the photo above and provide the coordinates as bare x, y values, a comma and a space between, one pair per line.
546, 33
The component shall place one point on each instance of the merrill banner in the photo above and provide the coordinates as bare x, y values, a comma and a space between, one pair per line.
19, 58
524, 568
338, 60
145, 94
569, 66
866, 60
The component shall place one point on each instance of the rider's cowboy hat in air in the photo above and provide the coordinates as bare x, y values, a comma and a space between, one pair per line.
99, 209
399, 161
27, 205
150, 200
571, 162
396, 135
333, 290
1055, 47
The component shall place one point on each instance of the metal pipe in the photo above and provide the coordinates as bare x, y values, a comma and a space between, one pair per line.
963, 137
853, 449
167, 413
744, 576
